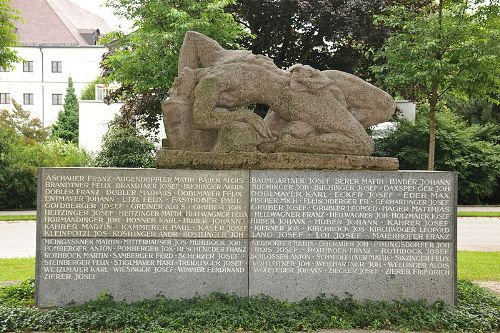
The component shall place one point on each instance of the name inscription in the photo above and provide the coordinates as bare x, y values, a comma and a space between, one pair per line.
187, 232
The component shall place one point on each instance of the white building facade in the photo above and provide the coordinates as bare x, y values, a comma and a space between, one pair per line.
58, 41
39, 83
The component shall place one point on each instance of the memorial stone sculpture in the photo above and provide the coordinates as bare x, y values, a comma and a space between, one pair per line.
270, 213
310, 111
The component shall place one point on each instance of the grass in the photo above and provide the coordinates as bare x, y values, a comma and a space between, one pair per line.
16, 269
17, 217
474, 265
478, 214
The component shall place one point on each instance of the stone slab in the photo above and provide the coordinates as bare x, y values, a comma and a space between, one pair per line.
135, 233
366, 269
373, 235
145, 203
177, 159
75, 270
352, 205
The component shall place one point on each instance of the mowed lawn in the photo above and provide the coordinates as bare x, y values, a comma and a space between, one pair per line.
472, 265
16, 269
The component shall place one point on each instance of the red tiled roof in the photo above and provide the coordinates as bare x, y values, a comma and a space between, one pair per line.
55, 22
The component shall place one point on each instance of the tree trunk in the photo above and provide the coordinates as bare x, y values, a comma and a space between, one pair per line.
432, 126
434, 96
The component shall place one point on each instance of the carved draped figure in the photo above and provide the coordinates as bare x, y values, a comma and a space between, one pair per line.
310, 111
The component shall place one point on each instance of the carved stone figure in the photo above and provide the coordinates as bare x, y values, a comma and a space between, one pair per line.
310, 111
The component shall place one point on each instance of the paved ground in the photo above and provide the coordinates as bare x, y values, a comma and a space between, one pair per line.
478, 208
478, 233
17, 239
17, 212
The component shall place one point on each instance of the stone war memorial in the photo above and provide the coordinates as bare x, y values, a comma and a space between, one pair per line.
291, 205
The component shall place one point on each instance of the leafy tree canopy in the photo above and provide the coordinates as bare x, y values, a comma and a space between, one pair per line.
450, 49
325, 34
472, 151
455, 52
145, 61
23, 149
8, 36
21, 125
66, 126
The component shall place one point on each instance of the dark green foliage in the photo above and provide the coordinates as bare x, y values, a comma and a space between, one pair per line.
475, 111
478, 311
325, 34
124, 146
472, 151
66, 126
23, 148
21, 294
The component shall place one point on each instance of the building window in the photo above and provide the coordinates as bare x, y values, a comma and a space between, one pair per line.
56, 66
2, 69
57, 99
4, 98
28, 99
28, 66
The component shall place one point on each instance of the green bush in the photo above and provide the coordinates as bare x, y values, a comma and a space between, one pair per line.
23, 149
472, 151
125, 147
478, 310
18, 172
21, 294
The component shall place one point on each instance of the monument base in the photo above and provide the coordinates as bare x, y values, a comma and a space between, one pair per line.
178, 159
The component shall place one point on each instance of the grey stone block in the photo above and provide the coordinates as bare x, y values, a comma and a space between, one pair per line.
366, 269
76, 270
144, 203
137, 233
352, 205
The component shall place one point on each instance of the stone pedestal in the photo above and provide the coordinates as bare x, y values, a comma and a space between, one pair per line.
177, 159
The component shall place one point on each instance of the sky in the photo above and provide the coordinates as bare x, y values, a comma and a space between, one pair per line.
97, 7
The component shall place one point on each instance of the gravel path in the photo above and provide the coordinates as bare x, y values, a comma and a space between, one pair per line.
492, 285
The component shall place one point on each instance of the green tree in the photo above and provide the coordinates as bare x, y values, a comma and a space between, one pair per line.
88, 93
450, 48
20, 122
124, 146
325, 34
23, 149
8, 37
66, 126
145, 62
472, 151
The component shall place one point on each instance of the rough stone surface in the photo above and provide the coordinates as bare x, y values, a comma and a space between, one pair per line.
366, 269
290, 234
179, 159
369, 234
310, 111
145, 203
136, 233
